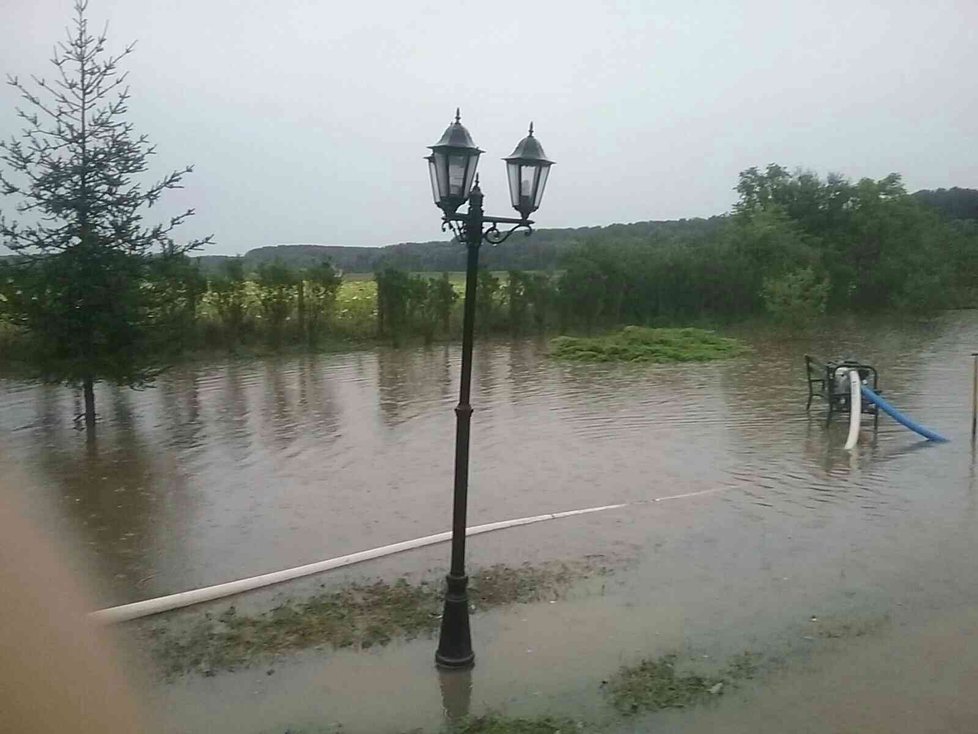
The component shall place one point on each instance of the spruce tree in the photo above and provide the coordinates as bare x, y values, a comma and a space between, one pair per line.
80, 284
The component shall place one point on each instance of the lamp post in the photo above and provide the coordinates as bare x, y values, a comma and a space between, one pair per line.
452, 165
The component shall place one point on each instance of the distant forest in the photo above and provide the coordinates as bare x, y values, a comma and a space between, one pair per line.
543, 251
954, 203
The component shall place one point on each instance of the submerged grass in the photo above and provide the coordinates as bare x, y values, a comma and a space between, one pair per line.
652, 685
498, 724
838, 628
649, 686
641, 344
655, 684
491, 723
358, 615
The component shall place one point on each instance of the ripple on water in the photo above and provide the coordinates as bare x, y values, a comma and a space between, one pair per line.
249, 466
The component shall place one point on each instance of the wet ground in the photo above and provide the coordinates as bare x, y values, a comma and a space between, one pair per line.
851, 575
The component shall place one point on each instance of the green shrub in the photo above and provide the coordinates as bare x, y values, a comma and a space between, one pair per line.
797, 296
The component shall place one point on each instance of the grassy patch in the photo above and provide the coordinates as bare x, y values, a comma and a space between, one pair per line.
834, 629
492, 723
359, 615
498, 724
641, 344
498, 585
743, 666
654, 684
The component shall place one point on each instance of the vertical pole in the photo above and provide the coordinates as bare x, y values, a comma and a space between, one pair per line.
974, 398
455, 642
88, 388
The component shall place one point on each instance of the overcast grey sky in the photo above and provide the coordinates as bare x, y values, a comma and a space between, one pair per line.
307, 121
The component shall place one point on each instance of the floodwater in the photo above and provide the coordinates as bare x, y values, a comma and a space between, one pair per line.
231, 470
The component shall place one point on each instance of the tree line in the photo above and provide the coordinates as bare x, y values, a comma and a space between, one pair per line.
794, 247
543, 251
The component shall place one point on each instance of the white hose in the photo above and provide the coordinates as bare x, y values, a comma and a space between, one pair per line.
209, 593
855, 409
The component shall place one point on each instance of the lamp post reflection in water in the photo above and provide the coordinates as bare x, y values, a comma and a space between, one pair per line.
456, 695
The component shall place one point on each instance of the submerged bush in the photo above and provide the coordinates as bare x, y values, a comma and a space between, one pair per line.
641, 344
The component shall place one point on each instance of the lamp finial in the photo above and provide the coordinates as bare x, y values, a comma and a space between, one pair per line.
458, 115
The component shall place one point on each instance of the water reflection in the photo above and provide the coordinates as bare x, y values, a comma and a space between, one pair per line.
412, 382
317, 398
280, 425
232, 412
104, 484
445, 374
179, 395
395, 384
230, 470
456, 695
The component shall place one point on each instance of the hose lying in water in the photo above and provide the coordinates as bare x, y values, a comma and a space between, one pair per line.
168, 603
855, 409
899, 417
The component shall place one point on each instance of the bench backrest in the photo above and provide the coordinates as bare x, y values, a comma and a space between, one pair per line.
814, 370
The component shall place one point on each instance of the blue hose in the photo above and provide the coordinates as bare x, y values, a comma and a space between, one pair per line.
900, 417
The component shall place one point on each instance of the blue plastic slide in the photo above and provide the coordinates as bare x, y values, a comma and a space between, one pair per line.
900, 417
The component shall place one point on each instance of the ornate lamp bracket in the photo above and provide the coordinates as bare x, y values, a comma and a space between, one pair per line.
491, 234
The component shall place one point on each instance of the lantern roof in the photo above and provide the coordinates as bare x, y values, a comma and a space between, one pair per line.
529, 150
456, 136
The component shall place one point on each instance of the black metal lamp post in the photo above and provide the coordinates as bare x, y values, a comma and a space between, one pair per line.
452, 165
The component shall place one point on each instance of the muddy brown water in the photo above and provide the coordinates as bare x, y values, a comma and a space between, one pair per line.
230, 470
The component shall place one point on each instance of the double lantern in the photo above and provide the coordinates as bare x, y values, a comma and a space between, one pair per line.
453, 161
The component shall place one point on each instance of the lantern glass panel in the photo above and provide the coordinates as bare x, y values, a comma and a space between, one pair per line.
457, 165
433, 172
513, 171
470, 174
441, 173
541, 185
528, 180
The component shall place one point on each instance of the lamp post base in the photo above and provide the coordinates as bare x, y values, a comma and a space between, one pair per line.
455, 643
